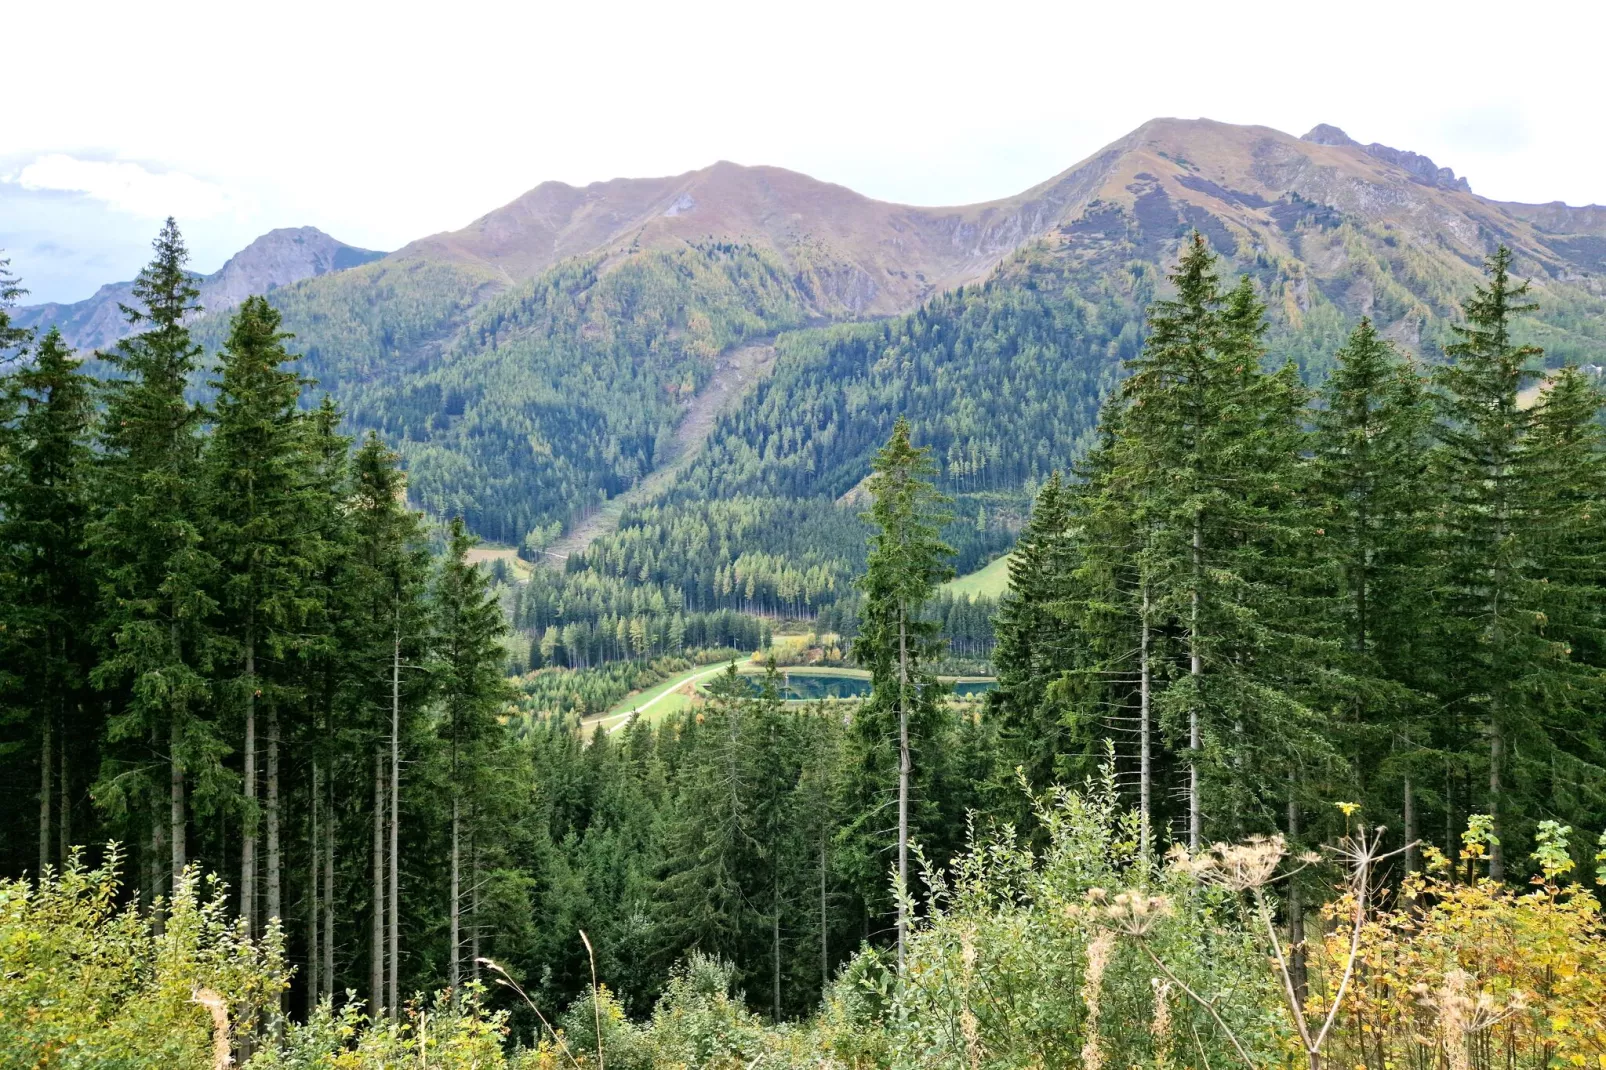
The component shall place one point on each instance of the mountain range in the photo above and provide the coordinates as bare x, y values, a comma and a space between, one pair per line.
278, 258
536, 363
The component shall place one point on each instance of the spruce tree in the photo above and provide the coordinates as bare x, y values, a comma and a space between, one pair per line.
1498, 658
1377, 511
469, 685
1028, 633
905, 712
385, 575
156, 573
263, 531
1206, 461
45, 582
11, 289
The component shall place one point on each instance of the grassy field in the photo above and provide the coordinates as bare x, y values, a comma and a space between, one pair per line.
655, 702
991, 580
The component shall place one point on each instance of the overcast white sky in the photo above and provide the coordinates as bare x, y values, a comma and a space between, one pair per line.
382, 122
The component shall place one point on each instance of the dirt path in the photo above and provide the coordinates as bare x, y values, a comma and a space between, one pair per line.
737, 372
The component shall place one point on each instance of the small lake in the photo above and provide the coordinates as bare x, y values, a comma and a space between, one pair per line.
818, 685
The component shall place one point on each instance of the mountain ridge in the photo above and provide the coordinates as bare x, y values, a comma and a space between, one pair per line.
278, 258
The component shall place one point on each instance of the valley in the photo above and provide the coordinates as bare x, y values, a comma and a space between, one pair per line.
368, 624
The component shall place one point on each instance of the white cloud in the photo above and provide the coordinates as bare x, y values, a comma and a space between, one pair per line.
127, 187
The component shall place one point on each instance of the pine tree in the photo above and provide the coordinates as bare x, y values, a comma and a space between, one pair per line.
155, 571
471, 690
45, 582
907, 560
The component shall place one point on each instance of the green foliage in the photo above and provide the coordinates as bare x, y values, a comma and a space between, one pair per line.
91, 979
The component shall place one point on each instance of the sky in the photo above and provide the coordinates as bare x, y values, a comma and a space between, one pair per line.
384, 122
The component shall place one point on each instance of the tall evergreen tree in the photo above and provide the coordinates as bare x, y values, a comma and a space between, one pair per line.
1377, 510
472, 692
264, 535
155, 572
905, 710
1029, 632
45, 583
386, 571
11, 337
1500, 661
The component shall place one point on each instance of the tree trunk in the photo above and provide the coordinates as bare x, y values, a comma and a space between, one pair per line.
1145, 833
329, 895
275, 910
1497, 860
1409, 816
314, 857
474, 895
248, 777
175, 813
903, 780
1296, 905
64, 788
376, 960
394, 984
452, 976
47, 761
1196, 669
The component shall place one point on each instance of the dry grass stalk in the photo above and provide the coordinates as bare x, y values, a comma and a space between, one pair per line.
1098, 958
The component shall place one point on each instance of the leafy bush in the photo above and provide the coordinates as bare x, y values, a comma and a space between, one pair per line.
89, 979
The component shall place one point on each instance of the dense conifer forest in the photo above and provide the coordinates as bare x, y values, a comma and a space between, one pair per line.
1296, 749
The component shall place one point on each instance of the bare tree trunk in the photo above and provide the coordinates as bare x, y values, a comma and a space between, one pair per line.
1497, 859
64, 826
329, 895
393, 990
314, 857
275, 870
1145, 782
1296, 905
248, 778
175, 814
47, 761
1196, 669
474, 894
903, 780
1409, 817
452, 976
376, 960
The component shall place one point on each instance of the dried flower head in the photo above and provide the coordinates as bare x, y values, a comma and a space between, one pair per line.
1240, 866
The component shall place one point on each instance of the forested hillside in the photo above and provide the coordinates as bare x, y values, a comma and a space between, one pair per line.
1297, 750
233, 648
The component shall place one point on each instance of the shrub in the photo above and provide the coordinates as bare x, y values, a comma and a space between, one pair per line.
88, 981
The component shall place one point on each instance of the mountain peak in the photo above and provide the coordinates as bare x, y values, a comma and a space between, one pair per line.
277, 258
1327, 134
1421, 168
